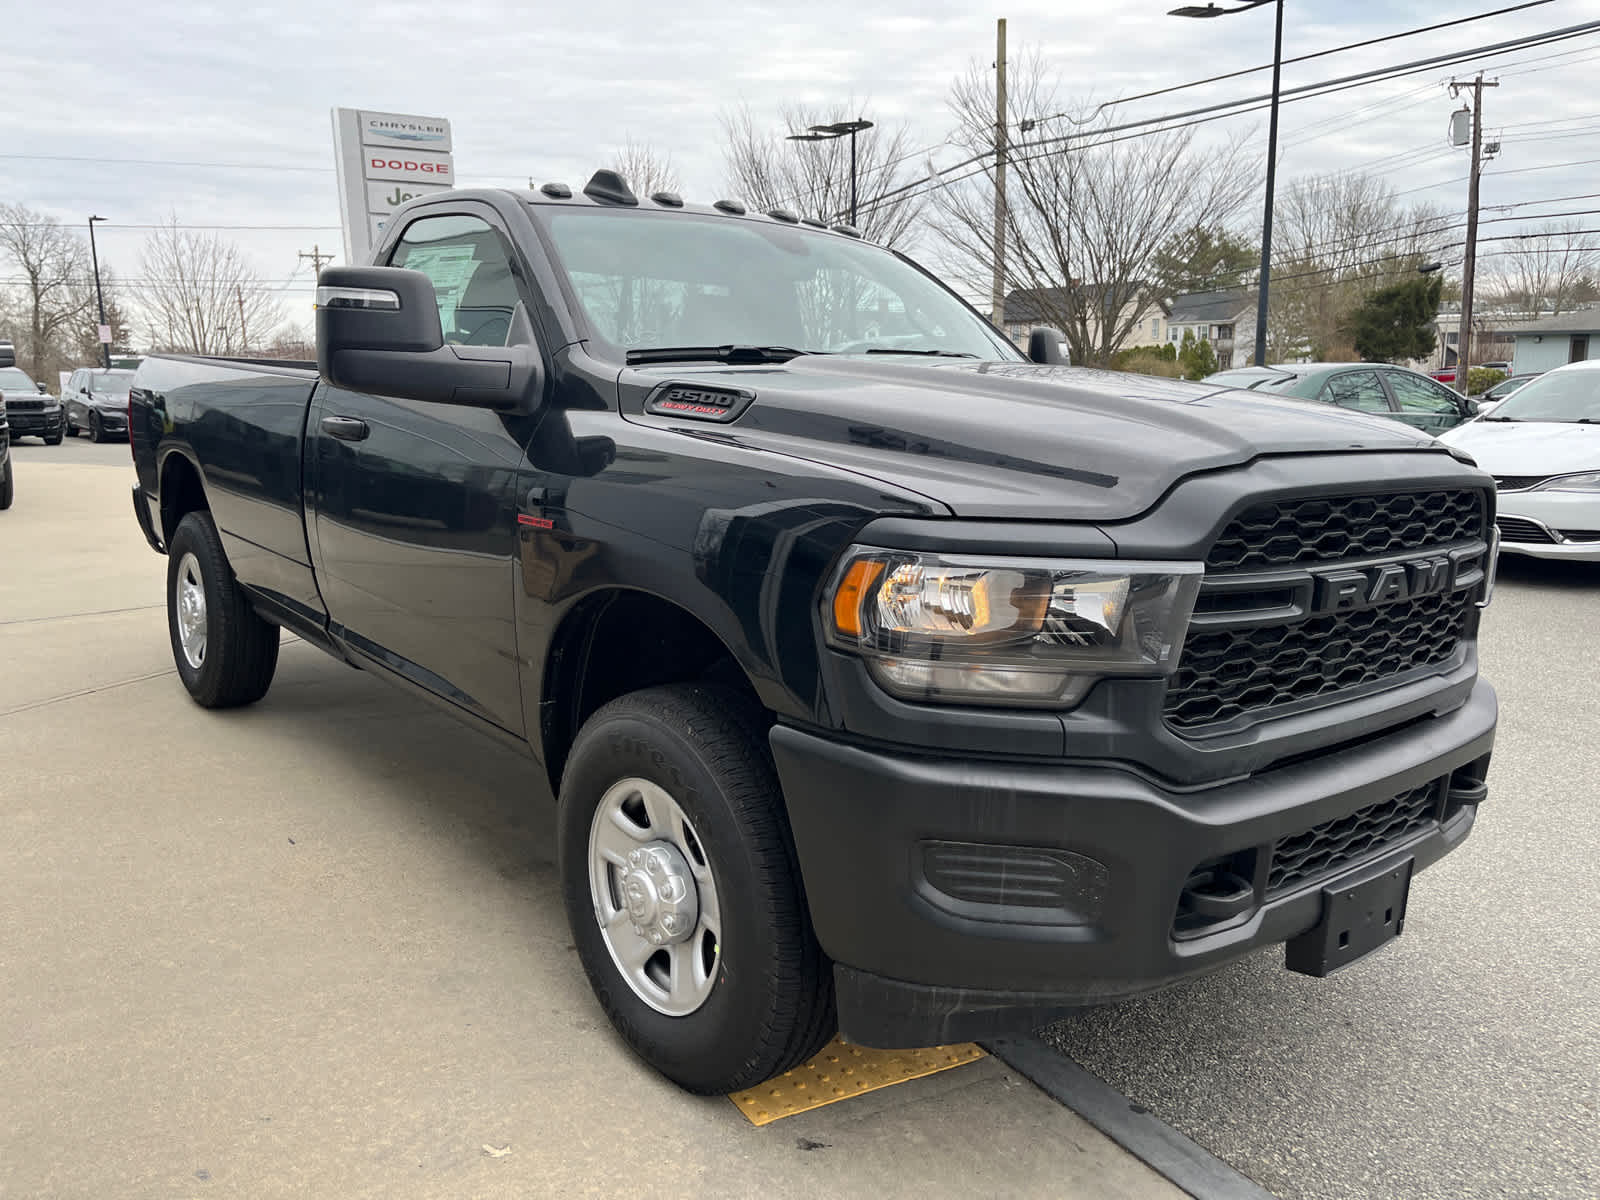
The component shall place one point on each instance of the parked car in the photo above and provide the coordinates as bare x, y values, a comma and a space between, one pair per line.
7, 484
890, 680
31, 409
1500, 391
97, 400
1378, 388
1542, 445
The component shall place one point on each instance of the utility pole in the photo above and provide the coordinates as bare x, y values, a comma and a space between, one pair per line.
998, 299
317, 257
244, 334
1469, 263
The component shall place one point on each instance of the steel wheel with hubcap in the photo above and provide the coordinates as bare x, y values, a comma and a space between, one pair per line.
682, 891
654, 896
191, 600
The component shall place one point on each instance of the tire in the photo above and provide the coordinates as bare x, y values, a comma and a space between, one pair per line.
237, 650
53, 441
7, 487
766, 1003
97, 431
71, 430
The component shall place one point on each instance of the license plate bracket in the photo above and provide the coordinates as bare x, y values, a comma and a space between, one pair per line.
1360, 912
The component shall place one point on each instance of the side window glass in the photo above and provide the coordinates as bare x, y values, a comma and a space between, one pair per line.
1361, 390
1422, 395
470, 267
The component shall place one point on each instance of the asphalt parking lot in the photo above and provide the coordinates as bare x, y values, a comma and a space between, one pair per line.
316, 947
1463, 1060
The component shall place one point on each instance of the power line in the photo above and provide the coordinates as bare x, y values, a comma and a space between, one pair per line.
1290, 61
1239, 107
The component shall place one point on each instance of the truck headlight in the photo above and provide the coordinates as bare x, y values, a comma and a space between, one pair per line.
1586, 481
1007, 631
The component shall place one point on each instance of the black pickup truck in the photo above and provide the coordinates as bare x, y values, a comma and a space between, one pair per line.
890, 681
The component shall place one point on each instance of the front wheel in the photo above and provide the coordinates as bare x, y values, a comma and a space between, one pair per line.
97, 430
683, 893
72, 430
225, 653
7, 489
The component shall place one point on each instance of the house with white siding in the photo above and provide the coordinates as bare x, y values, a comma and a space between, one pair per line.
1226, 319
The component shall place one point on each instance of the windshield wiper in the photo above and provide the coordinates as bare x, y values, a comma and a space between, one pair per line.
724, 354
1492, 418
930, 353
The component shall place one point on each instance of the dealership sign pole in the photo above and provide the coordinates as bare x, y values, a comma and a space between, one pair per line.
383, 160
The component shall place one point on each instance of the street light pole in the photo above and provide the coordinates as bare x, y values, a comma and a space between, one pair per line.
1211, 10
827, 133
100, 299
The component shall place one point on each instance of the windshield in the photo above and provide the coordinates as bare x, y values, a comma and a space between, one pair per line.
110, 381
655, 280
15, 379
1559, 396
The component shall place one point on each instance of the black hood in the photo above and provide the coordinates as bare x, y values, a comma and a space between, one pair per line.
1017, 440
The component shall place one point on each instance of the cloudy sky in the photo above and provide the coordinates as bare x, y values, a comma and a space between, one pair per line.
228, 106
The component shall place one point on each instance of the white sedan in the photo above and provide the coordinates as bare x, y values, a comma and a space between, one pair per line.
1542, 445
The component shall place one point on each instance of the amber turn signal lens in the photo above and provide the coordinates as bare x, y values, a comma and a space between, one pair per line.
847, 600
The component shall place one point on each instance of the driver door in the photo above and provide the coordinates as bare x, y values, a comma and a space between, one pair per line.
415, 500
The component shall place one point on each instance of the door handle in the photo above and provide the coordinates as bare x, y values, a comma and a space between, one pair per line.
346, 429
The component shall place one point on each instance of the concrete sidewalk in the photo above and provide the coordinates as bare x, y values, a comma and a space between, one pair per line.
316, 947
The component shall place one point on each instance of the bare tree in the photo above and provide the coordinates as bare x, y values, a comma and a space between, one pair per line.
646, 171
200, 296
52, 263
83, 343
813, 178
1548, 273
1086, 216
1338, 238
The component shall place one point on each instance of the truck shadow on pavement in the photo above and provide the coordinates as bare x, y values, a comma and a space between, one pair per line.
489, 801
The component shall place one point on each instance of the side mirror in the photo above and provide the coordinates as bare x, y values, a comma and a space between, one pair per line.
378, 332
43, 391
1048, 346
8, 355
1483, 408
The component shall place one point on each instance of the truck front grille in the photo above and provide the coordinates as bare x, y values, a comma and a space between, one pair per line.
1325, 849
1260, 645
1292, 533
1229, 673
24, 406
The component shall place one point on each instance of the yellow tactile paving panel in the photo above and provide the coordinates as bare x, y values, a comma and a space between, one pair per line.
839, 1071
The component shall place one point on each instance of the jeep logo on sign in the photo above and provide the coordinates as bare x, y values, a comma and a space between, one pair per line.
1368, 587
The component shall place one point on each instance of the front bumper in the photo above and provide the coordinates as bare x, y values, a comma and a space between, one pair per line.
35, 424
962, 898
1561, 524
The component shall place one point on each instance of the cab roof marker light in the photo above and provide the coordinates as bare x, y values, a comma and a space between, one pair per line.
732, 207
667, 199
784, 215
557, 191
375, 299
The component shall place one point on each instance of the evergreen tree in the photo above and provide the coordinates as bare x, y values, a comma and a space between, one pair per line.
1396, 323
